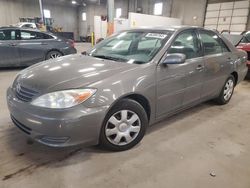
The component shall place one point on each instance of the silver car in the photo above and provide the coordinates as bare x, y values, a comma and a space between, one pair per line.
24, 47
110, 94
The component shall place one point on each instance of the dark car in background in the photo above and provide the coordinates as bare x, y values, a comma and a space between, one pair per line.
24, 47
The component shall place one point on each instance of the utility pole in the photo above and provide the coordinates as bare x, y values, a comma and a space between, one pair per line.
111, 10
41, 10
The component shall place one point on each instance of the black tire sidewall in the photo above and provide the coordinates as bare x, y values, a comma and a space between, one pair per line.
124, 104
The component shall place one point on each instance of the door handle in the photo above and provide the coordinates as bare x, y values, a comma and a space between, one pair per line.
200, 67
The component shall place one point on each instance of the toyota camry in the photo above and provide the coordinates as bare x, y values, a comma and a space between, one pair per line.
135, 78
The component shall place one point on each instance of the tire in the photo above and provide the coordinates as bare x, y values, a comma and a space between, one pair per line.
124, 126
53, 54
225, 97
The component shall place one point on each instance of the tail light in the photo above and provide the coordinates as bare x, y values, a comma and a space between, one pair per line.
71, 43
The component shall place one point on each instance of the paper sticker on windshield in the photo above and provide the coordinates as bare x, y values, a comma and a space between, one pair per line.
156, 35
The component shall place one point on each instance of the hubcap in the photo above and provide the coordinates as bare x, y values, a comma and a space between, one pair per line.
122, 127
55, 55
228, 89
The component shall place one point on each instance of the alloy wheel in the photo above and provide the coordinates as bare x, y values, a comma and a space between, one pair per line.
55, 55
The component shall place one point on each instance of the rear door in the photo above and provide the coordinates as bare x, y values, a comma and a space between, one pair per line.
9, 48
218, 62
33, 47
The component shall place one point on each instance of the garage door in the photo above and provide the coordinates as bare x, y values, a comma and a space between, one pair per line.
230, 16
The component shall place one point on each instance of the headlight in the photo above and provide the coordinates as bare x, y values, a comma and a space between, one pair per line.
63, 99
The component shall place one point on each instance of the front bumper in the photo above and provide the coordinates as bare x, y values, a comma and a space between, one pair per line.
68, 51
57, 128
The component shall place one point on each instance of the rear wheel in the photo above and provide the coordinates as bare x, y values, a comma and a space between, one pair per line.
124, 126
227, 91
53, 54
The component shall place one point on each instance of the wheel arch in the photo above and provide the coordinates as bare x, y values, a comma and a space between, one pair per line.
141, 99
235, 75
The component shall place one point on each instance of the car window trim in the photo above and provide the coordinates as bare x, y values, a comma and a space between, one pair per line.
20, 30
195, 33
220, 40
16, 36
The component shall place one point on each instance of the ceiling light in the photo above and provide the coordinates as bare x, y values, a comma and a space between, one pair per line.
73, 2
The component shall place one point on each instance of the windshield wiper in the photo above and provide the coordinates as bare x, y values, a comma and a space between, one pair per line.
109, 57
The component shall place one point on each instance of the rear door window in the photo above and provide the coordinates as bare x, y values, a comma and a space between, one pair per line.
33, 35
8, 34
212, 44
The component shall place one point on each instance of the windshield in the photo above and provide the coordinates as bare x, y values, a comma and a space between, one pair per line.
132, 46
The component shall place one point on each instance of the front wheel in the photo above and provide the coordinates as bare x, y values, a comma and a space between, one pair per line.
124, 126
227, 91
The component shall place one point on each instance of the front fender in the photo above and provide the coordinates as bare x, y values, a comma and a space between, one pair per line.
139, 81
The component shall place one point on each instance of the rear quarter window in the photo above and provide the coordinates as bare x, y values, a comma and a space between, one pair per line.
33, 35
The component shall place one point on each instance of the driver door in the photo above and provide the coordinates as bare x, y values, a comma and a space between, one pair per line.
179, 85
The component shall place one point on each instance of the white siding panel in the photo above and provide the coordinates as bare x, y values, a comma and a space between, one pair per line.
226, 12
239, 28
241, 4
211, 21
228, 5
225, 20
223, 27
239, 20
240, 12
214, 6
212, 14
231, 16
210, 26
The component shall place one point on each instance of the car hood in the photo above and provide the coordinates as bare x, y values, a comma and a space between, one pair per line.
73, 71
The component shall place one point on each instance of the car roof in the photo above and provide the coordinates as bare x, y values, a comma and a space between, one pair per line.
15, 27
25, 23
26, 29
167, 28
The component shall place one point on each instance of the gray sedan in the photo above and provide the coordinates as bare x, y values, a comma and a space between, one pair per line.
110, 94
24, 47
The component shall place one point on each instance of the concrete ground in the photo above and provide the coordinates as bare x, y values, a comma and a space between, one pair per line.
206, 146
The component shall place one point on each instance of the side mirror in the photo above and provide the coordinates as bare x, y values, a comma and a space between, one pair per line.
175, 58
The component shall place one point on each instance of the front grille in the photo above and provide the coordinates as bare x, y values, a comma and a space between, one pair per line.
24, 94
21, 126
